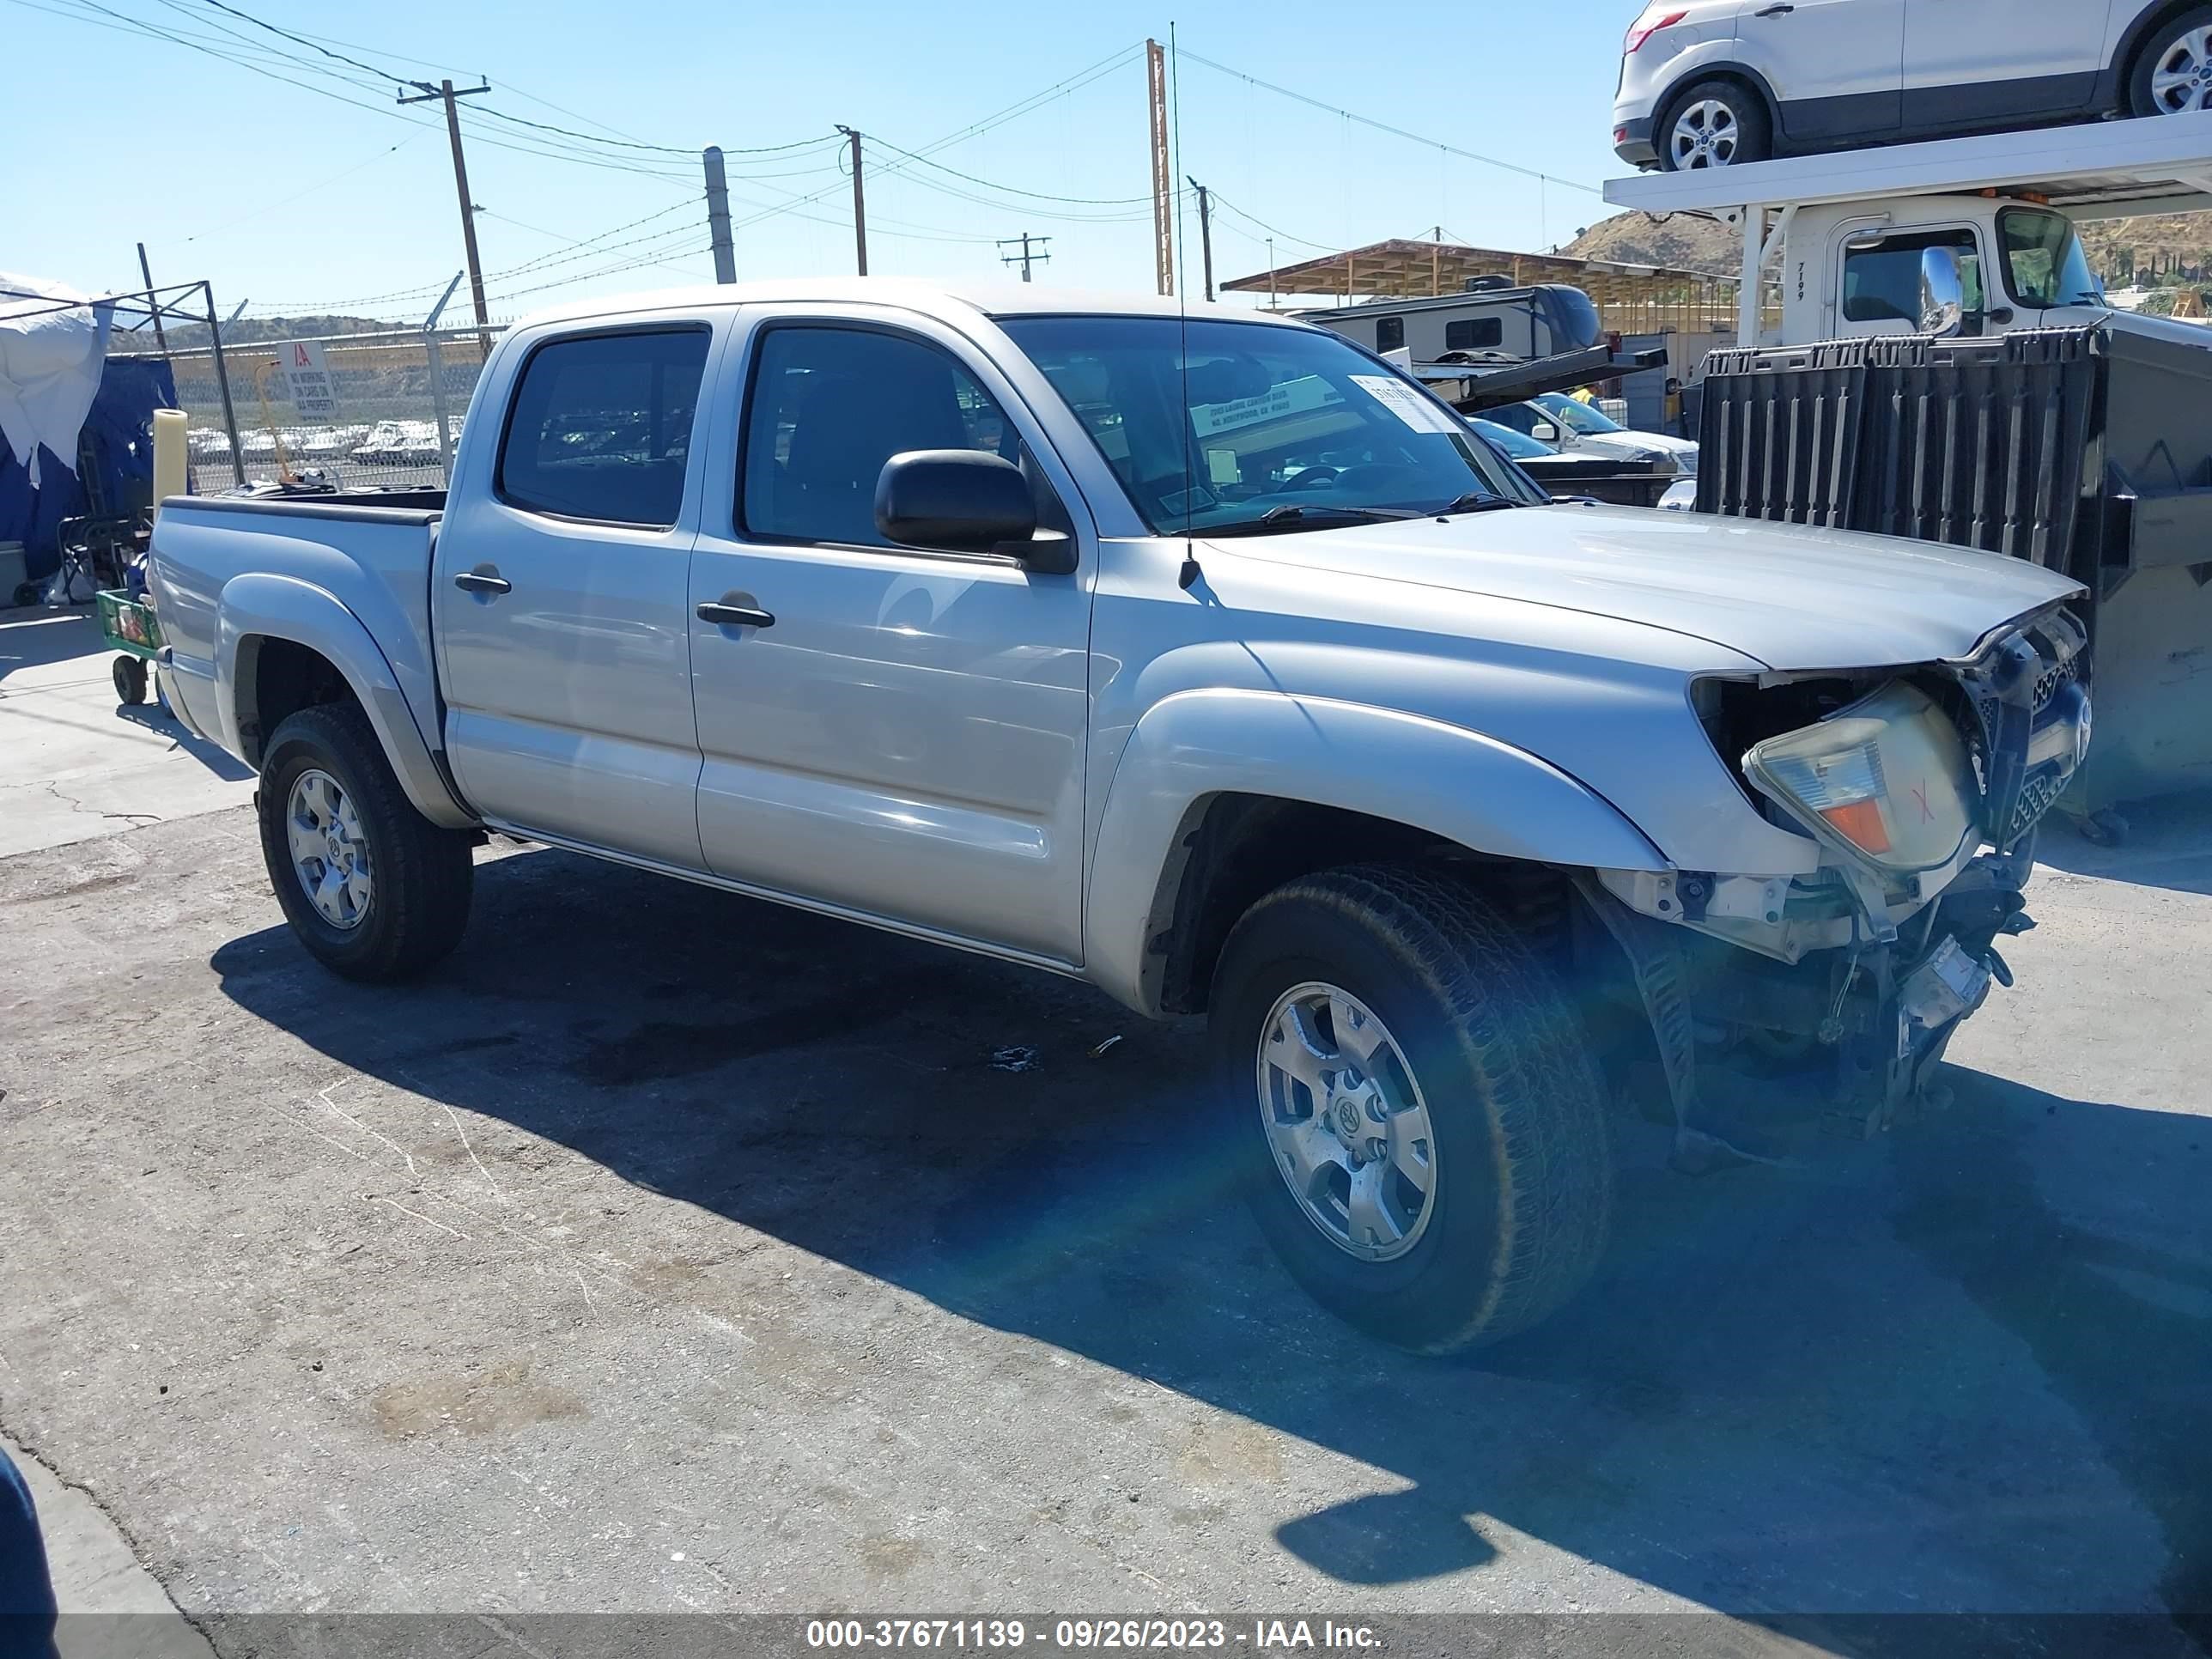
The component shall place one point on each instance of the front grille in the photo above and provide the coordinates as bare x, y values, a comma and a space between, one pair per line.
2015, 686
2057, 675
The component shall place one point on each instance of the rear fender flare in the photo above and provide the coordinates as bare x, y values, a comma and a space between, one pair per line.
258, 606
1486, 796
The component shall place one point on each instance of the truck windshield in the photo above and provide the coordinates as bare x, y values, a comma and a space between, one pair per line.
2044, 263
1274, 418
1576, 417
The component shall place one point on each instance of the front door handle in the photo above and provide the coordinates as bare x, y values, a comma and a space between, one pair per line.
1775, 11
736, 615
483, 581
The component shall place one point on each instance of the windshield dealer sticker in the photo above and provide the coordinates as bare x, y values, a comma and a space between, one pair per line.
1402, 400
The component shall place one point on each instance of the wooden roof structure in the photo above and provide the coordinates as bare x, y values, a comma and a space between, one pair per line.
1633, 299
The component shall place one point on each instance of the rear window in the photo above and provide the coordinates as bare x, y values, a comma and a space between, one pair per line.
601, 427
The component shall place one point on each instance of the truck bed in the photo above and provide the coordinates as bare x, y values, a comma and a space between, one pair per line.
369, 552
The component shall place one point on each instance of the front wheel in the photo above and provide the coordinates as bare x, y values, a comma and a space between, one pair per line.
1422, 1127
374, 889
1715, 123
2174, 73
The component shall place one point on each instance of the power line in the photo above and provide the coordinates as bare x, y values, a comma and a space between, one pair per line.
323, 183
1395, 132
1220, 200
974, 129
1012, 190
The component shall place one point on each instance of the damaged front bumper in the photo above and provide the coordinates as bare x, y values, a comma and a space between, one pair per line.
1858, 974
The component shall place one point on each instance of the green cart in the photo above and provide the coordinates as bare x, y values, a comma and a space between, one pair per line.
131, 628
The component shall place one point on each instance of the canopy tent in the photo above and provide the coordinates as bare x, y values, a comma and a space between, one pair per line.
1633, 298
63, 402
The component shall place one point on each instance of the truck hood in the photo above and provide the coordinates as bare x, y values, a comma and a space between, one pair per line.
1791, 598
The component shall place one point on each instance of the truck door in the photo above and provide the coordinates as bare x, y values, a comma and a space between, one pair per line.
1878, 277
1984, 63
902, 734
560, 595
1834, 65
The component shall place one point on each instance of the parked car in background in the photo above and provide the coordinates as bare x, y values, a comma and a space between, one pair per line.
1571, 427
1715, 83
1588, 475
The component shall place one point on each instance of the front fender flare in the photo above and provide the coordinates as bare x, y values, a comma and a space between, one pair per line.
259, 606
1487, 796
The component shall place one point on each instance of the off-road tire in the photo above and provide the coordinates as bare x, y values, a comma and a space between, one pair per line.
1754, 125
1525, 1177
424, 874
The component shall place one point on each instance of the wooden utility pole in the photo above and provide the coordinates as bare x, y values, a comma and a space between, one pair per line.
1205, 236
446, 92
1155, 76
860, 204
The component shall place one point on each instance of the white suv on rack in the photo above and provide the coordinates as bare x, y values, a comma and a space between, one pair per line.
1714, 83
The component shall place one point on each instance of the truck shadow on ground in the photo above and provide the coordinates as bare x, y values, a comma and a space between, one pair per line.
1958, 1369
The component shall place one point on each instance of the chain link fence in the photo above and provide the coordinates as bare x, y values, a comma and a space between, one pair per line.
388, 393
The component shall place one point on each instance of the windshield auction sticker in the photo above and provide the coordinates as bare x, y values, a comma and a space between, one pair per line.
1402, 400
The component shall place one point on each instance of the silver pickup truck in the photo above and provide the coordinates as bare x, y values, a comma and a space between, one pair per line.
1206, 657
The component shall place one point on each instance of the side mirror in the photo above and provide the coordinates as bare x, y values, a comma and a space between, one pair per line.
1545, 433
963, 501
1942, 293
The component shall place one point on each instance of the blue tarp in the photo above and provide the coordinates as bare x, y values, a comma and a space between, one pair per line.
119, 431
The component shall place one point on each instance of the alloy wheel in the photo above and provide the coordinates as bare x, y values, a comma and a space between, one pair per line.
1346, 1122
330, 854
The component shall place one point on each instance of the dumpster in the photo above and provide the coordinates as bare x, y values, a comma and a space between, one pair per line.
2088, 451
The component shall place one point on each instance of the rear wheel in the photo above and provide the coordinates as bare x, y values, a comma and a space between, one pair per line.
1715, 123
374, 889
1421, 1128
2174, 73
129, 674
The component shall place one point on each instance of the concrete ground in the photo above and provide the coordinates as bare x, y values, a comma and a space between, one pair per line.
668, 1251
74, 763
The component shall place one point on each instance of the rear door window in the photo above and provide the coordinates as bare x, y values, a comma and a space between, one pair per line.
601, 427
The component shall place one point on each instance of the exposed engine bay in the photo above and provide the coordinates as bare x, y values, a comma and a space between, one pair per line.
1924, 787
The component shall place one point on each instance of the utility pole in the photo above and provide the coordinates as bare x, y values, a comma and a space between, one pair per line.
718, 217
860, 204
161, 338
1024, 257
1206, 233
445, 91
1155, 80
1271, 273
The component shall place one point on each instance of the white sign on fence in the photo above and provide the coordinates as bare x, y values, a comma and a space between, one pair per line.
307, 378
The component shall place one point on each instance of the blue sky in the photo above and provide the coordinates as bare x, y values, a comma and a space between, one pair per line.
145, 137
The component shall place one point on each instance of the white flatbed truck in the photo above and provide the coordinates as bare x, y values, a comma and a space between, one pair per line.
1964, 249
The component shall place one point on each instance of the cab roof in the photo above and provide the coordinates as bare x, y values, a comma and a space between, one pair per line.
947, 301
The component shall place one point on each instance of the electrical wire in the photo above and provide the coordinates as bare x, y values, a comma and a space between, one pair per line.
1220, 200
320, 184
1395, 132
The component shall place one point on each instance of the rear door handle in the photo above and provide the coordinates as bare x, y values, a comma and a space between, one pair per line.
1775, 11
736, 615
483, 581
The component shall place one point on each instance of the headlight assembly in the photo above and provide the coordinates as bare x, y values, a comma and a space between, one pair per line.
1888, 780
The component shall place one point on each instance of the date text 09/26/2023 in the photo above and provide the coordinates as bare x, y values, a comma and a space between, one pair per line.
1166, 1635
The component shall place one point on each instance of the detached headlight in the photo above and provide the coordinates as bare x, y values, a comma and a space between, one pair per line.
1887, 779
